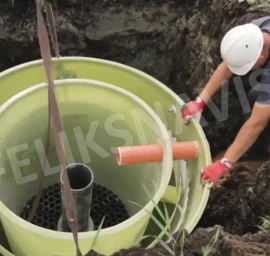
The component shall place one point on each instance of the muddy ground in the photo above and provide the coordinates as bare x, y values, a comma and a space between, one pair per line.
177, 42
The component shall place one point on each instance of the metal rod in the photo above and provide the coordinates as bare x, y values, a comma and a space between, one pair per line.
81, 181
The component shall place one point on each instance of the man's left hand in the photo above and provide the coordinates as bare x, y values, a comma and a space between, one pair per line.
215, 170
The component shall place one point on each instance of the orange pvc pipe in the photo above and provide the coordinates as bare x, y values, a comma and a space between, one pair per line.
154, 153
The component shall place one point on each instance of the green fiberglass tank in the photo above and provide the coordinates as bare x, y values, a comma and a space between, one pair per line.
109, 96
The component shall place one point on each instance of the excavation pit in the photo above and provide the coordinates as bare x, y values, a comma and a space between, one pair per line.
104, 203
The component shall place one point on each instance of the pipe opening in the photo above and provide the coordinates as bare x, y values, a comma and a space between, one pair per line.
118, 157
79, 176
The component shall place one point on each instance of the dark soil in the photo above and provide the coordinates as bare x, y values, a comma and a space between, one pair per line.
197, 244
234, 204
177, 42
241, 201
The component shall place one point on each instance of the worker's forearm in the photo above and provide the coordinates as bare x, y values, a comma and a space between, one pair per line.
221, 74
243, 141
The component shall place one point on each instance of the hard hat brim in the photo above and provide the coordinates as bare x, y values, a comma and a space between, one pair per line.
241, 71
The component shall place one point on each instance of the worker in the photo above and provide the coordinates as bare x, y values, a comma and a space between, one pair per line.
244, 48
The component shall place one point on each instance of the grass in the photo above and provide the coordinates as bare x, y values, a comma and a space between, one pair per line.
173, 242
164, 228
265, 225
208, 249
98, 231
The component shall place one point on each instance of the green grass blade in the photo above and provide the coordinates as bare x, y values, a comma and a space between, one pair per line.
164, 245
98, 231
207, 250
155, 220
152, 200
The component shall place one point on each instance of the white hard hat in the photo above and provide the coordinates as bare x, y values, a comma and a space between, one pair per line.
241, 47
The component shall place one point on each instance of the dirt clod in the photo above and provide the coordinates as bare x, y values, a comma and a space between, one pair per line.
234, 204
227, 244
203, 239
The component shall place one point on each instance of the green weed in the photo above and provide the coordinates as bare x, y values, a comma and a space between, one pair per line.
265, 225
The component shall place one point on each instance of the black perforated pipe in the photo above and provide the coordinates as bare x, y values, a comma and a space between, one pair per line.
113, 209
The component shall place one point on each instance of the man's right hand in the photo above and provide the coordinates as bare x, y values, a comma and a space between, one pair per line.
191, 109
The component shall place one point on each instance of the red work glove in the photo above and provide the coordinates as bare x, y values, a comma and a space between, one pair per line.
215, 170
192, 108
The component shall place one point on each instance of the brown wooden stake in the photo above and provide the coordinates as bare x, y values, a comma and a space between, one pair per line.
47, 147
56, 123
53, 33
